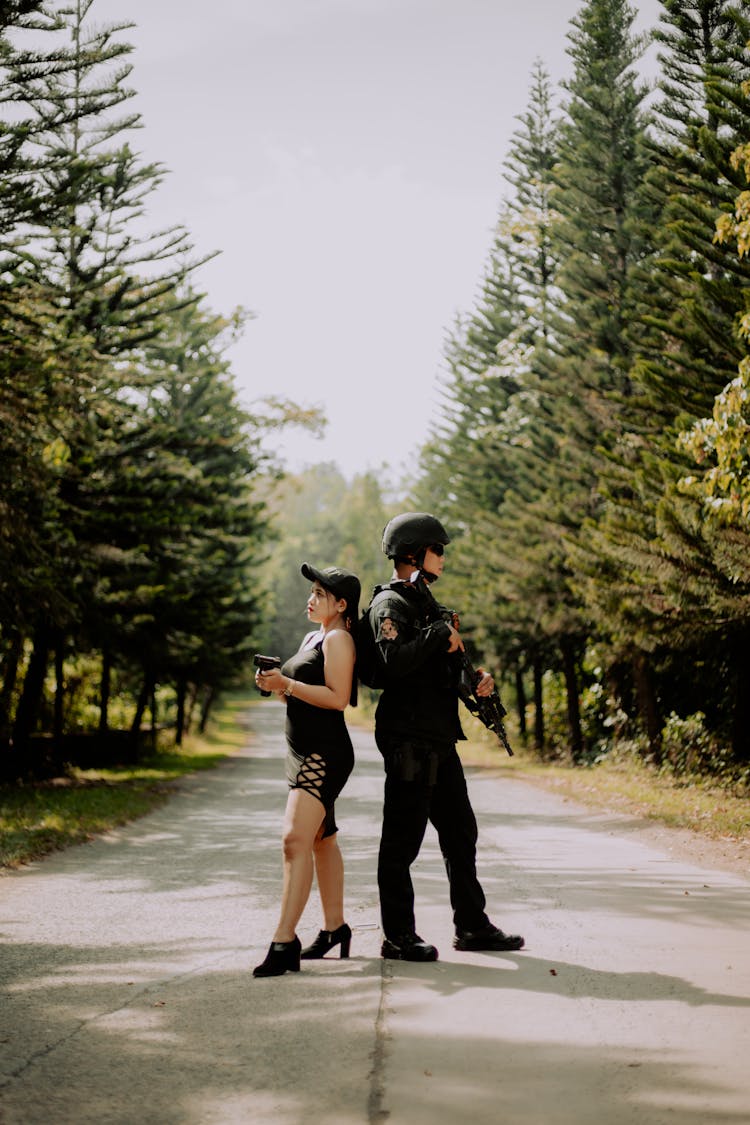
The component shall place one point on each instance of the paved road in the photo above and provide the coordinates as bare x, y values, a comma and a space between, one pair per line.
127, 997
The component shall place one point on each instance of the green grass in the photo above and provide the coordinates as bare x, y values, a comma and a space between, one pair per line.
38, 818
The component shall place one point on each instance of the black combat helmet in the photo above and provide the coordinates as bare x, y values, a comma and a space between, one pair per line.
411, 533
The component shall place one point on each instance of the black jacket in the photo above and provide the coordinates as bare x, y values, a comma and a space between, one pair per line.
420, 697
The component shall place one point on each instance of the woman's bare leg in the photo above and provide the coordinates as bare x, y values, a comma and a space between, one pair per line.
329, 871
304, 814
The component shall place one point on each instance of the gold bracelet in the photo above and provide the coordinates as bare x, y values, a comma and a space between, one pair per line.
289, 689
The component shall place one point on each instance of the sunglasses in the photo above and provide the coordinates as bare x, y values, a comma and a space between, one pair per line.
437, 549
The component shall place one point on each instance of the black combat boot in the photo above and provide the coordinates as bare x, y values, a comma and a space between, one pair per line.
489, 937
408, 947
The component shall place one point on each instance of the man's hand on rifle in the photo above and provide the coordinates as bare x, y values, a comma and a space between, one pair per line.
456, 643
485, 685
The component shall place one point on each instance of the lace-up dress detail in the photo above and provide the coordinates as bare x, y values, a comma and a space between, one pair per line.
320, 755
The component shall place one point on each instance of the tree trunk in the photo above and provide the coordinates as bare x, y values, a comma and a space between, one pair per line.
193, 699
154, 714
570, 673
207, 704
741, 710
646, 703
105, 689
29, 705
10, 674
521, 704
59, 706
140, 708
180, 721
619, 676
538, 706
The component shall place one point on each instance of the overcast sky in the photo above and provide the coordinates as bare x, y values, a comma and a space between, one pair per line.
345, 157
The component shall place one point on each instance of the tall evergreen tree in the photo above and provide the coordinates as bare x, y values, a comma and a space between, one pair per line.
581, 366
88, 244
489, 351
473, 464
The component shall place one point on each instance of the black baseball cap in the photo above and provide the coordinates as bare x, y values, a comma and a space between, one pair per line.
342, 583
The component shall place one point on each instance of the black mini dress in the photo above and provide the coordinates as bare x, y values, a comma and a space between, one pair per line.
320, 755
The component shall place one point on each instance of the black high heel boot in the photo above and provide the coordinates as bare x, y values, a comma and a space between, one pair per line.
326, 940
282, 955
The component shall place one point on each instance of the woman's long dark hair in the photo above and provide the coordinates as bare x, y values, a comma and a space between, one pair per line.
350, 620
350, 617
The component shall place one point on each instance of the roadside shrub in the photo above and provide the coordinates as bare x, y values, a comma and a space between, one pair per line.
689, 748
602, 721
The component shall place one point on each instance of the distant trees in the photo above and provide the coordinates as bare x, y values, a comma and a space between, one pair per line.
603, 576
321, 518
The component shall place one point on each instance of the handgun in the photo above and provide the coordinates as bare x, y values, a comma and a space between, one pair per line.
265, 664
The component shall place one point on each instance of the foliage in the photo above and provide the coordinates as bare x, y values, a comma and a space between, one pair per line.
688, 748
721, 442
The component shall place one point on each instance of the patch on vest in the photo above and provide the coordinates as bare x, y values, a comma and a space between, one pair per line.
388, 629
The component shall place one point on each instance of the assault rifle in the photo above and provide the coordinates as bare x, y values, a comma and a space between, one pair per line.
487, 708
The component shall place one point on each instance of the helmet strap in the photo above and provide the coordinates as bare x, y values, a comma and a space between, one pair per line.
419, 558
419, 570
417, 561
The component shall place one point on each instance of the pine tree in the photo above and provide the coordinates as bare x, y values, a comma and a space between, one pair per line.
489, 354
472, 459
584, 369
472, 463
88, 244
581, 368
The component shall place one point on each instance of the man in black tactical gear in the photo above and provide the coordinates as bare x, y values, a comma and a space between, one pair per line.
416, 729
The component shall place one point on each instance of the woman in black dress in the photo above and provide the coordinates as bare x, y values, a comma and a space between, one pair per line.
318, 682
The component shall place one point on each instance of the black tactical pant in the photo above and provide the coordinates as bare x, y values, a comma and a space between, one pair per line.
426, 783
